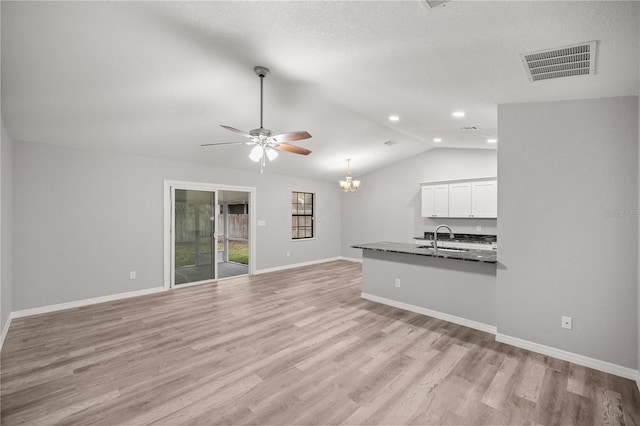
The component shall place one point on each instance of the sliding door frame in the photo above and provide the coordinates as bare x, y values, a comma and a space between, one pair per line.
169, 185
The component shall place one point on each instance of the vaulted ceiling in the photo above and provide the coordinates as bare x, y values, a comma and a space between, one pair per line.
158, 78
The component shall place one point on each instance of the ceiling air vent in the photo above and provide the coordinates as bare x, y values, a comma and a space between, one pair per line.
469, 128
390, 142
568, 61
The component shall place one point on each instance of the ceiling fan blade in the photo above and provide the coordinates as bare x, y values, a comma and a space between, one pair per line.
291, 136
225, 143
292, 148
234, 130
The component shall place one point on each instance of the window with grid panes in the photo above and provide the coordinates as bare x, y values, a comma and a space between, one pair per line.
301, 215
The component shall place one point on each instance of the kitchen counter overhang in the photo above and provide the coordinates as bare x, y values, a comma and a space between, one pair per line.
471, 255
458, 287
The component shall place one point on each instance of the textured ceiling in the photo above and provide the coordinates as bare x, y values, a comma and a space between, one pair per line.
158, 78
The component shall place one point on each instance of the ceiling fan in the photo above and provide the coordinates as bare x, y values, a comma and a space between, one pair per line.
265, 143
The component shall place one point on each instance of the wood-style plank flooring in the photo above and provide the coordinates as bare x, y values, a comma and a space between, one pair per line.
295, 347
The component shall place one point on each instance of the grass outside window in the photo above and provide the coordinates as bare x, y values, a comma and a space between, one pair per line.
185, 253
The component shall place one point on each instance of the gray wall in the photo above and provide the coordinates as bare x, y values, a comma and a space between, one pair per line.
83, 219
387, 205
433, 283
6, 206
568, 227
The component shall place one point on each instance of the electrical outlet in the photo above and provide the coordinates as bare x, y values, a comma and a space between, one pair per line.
397, 282
132, 275
567, 322
288, 254
479, 228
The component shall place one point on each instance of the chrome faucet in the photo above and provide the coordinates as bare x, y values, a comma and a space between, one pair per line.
435, 235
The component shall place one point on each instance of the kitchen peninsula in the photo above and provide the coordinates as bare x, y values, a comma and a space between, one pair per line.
458, 286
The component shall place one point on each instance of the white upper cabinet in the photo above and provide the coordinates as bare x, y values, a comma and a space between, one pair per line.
476, 198
484, 198
435, 201
460, 199
441, 198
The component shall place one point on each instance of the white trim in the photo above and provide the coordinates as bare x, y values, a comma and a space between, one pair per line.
454, 181
351, 259
166, 232
596, 364
435, 314
5, 329
295, 265
191, 284
85, 302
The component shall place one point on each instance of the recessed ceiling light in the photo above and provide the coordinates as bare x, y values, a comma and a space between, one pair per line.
437, 140
394, 118
458, 114
492, 140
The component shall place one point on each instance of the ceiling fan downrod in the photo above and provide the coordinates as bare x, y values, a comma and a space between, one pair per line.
262, 72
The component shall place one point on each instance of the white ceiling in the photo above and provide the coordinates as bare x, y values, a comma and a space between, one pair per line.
158, 78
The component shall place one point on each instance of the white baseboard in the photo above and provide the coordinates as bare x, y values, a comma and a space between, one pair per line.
351, 259
294, 265
596, 364
435, 314
5, 329
585, 361
84, 302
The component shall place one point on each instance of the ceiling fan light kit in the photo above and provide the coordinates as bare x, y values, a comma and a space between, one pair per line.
264, 142
349, 185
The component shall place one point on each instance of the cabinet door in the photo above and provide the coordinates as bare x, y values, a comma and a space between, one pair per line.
428, 201
435, 201
460, 199
484, 197
441, 200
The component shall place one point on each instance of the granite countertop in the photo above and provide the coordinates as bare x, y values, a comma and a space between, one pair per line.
487, 256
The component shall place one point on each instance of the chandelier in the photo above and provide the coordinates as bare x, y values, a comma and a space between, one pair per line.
349, 185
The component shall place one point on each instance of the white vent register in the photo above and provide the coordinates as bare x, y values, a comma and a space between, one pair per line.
567, 61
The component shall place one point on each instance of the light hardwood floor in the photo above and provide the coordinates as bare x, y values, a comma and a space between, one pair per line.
295, 347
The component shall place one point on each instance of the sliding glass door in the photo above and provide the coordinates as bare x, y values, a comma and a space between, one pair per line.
194, 236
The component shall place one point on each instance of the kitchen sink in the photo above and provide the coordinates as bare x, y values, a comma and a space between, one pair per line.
453, 250
449, 249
